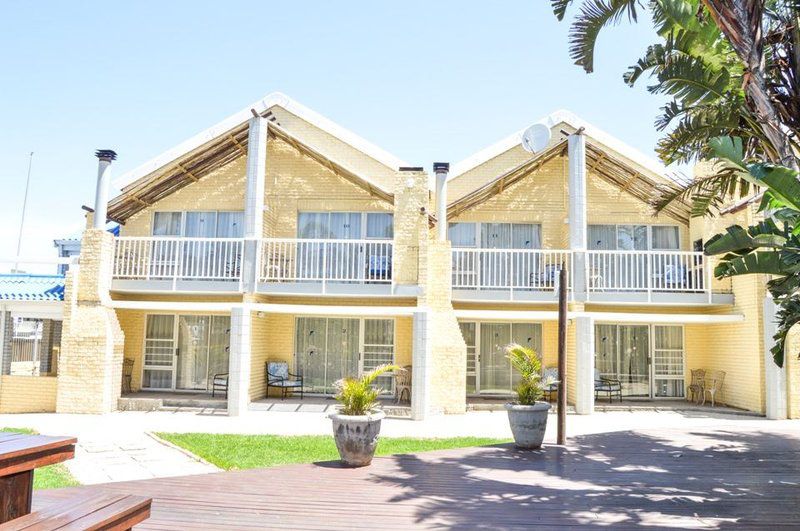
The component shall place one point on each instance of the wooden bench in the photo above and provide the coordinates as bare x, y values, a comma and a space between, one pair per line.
98, 512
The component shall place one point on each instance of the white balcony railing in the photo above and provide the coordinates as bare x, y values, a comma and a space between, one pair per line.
317, 260
508, 269
174, 258
648, 271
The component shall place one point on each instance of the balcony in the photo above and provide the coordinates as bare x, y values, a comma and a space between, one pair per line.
323, 266
661, 277
508, 274
680, 277
177, 264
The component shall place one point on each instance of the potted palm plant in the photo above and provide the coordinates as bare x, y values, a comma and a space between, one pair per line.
527, 416
357, 422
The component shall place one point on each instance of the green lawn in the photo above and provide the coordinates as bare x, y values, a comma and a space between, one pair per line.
235, 452
51, 476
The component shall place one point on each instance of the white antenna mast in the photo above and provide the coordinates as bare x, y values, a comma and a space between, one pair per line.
24, 207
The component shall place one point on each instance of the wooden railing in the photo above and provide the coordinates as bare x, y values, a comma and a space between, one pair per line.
508, 269
318, 260
174, 258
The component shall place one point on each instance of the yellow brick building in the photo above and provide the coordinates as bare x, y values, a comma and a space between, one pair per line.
278, 236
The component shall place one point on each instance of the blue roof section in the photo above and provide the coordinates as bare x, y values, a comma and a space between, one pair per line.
25, 287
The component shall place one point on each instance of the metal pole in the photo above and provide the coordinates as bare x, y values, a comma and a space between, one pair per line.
24, 207
562, 355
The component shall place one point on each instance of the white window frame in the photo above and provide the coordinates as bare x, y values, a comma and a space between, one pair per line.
183, 219
649, 234
363, 213
479, 224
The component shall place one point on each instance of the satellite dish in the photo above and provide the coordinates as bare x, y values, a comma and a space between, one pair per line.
535, 138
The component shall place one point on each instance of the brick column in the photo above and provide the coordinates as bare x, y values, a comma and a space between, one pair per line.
576, 148
774, 376
90, 366
239, 361
410, 225
7, 333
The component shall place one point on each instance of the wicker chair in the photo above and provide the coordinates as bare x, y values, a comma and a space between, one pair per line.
696, 387
127, 375
713, 386
402, 384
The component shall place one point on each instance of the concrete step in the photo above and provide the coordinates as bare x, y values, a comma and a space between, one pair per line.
168, 404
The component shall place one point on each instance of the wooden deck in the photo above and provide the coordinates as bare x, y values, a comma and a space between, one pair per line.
732, 477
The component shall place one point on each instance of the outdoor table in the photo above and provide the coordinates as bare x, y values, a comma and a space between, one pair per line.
20, 454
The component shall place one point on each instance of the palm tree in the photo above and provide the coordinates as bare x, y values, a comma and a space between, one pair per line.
732, 68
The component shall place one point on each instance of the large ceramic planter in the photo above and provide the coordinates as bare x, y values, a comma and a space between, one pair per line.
528, 424
356, 436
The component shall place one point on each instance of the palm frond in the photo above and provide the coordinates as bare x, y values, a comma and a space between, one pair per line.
560, 8
594, 15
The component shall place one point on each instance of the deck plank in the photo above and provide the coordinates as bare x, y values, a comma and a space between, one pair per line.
748, 477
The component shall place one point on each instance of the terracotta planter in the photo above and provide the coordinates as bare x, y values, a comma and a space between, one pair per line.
356, 436
528, 424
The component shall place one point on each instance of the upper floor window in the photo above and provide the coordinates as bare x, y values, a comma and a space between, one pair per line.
495, 235
634, 237
345, 225
211, 224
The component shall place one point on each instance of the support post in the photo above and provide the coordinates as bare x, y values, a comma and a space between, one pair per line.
421, 360
239, 361
562, 356
584, 365
254, 200
576, 155
774, 376
105, 157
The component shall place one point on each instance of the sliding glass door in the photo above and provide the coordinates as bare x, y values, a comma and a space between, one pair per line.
328, 349
184, 352
488, 369
647, 360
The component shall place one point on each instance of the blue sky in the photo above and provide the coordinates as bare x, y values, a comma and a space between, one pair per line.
424, 80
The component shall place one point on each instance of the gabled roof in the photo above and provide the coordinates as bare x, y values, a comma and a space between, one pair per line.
606, 165
220, 149
261, 106
25, 287
551, 121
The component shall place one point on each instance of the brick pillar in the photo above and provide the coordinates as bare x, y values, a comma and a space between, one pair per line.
448, 353
410, 226
254, 200
90, 366
584, 365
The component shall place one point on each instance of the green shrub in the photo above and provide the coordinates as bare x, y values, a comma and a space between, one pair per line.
357, 395
527, 364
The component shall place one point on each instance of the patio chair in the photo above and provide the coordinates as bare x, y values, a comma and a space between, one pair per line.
127, 375
219, 382
696, 386
611, 386
550, 382
402, 384
278, 375
713, 386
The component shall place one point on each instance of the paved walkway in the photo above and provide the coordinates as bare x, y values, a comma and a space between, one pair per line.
738, 474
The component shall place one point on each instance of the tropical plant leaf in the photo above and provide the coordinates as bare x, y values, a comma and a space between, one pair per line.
781, 182
560, 7
754, 263
594, 15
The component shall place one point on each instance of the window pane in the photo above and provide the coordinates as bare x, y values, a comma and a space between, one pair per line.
461, 234
230, 224
632, 237
495, 235
313, 225
380, 225
602, 237
666, 238
167, 224
345, 225
525, 236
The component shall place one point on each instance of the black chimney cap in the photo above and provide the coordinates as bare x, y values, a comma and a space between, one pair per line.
106, 154
441, 167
